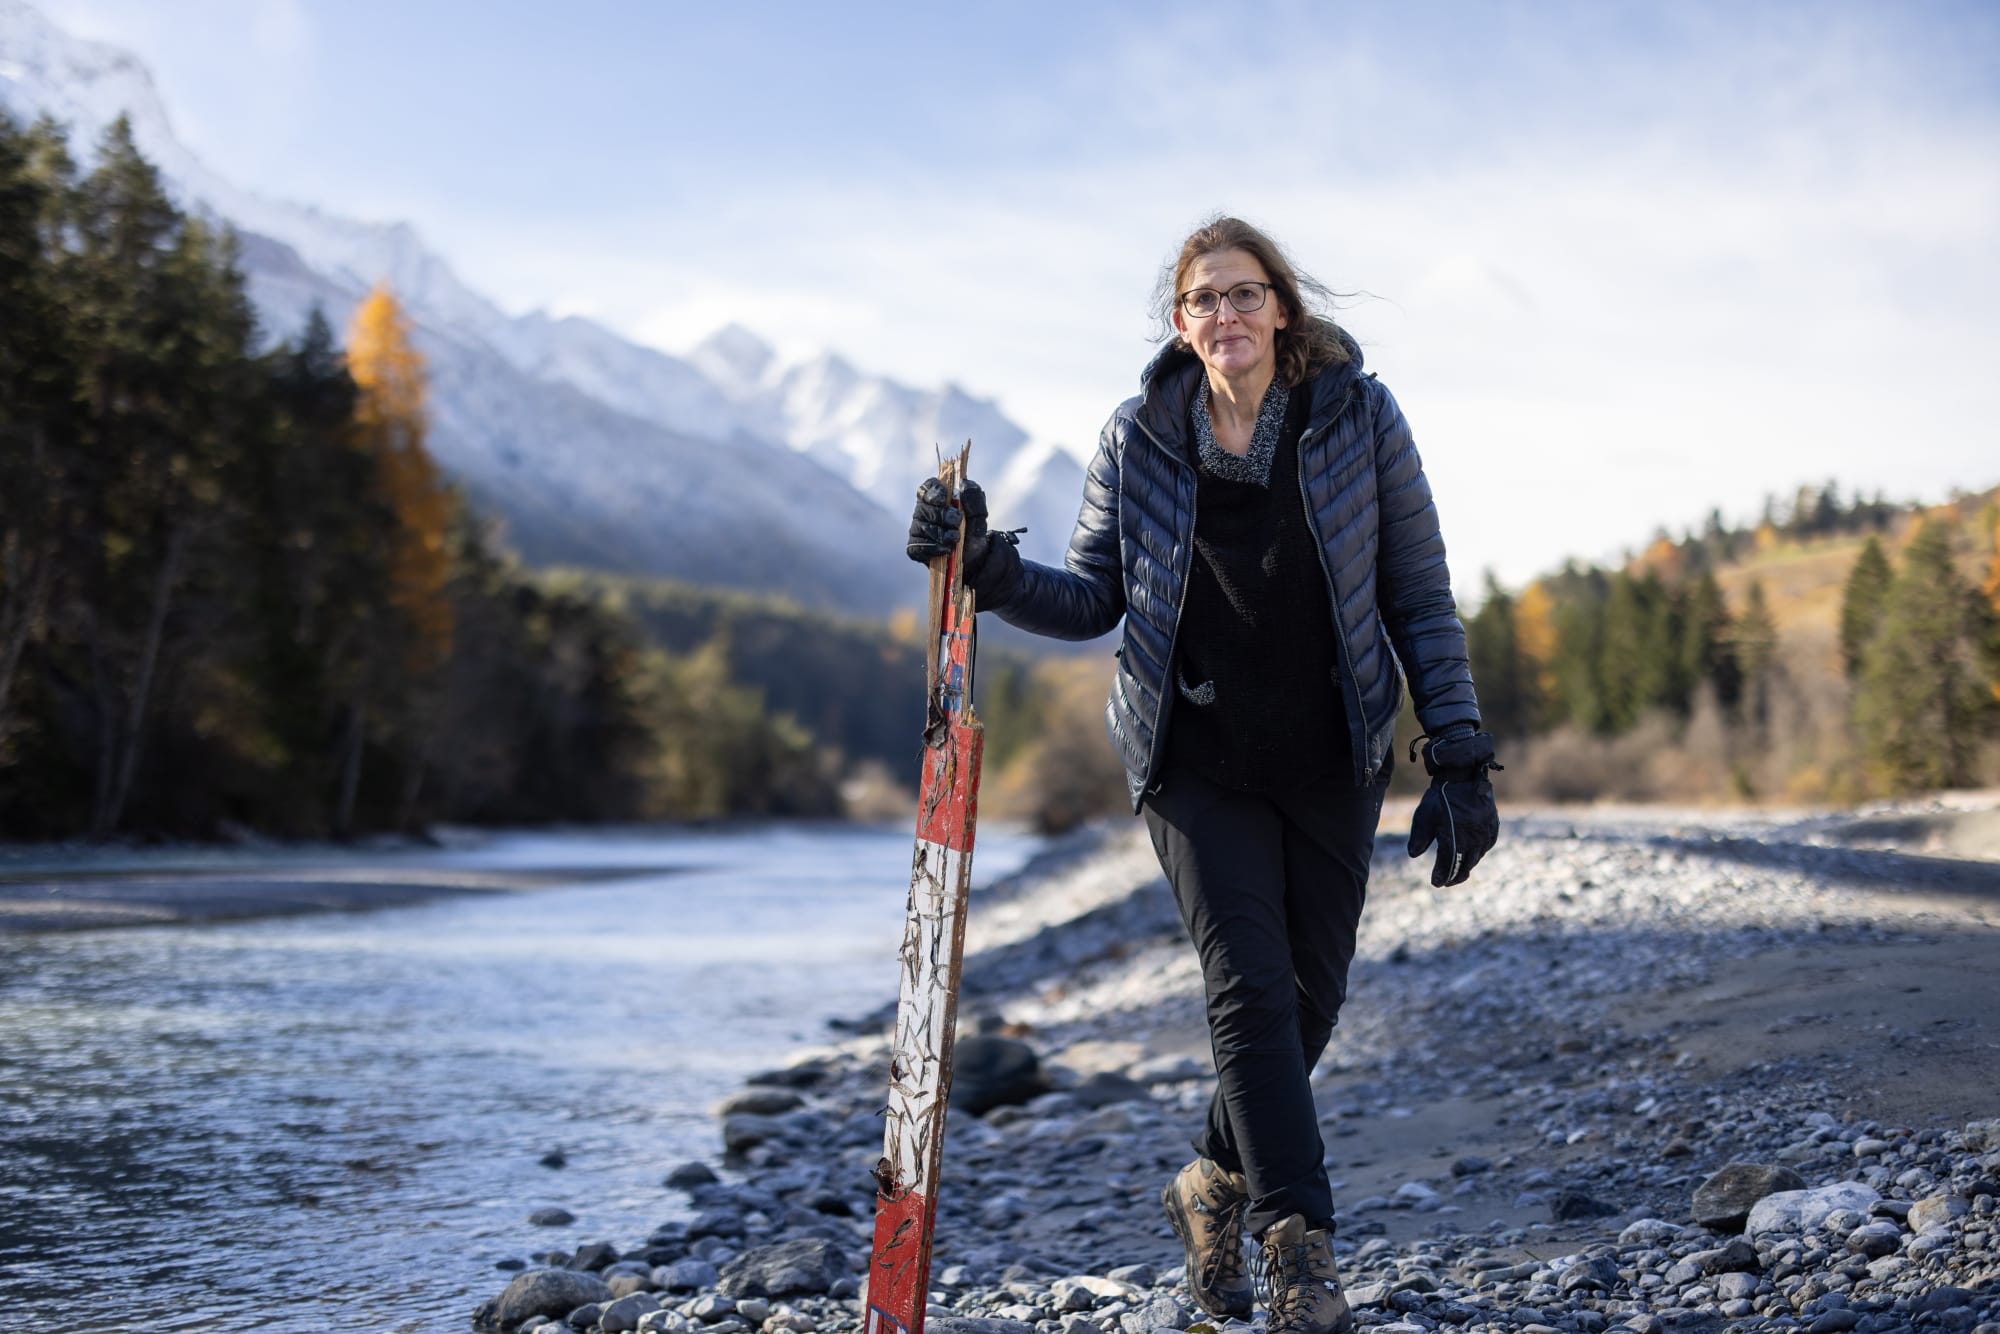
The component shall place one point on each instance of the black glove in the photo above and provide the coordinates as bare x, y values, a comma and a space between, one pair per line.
1457, 813
991, 563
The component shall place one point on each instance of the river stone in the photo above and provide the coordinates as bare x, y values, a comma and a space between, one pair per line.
804, 1267
1168, 1069
685, 1275
1598, 1272
1571, 1204
1936, 1211
689, 1175
959, 1324
803, 1075
594, 1256
622, 1316
1158, 1313
1983, 1134
1805, 1210
1107, 1087
991, 1071
1875, 1240
1738, 1257
1735, 1287
551, 1217
760, 1101
1724, 1201
746, 1130
549, 1292
1649, 1232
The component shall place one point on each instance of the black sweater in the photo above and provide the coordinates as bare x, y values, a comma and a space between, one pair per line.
1256, 637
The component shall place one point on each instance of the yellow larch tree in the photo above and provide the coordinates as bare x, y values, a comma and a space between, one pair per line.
389, 415
1535, 636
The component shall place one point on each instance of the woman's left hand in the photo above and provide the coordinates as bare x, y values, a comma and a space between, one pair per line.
1458, 813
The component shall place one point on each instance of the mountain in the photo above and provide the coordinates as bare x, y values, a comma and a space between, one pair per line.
592, 449
883, 437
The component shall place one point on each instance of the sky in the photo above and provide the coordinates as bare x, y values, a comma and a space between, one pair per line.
1620, 263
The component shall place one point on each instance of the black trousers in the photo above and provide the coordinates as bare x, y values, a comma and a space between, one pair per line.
1270, 886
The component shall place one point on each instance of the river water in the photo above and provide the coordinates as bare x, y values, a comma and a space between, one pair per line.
335, 1122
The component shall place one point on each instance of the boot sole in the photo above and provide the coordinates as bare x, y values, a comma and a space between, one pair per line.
1177, 1220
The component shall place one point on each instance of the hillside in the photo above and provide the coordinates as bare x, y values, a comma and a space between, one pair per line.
1710, 667
1803, 579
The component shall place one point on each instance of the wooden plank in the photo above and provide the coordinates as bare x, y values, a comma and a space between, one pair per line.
933, 950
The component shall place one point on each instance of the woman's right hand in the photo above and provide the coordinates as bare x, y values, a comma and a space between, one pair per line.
934, 525
991, 563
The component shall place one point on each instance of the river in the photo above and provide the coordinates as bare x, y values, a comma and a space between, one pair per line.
337, 1121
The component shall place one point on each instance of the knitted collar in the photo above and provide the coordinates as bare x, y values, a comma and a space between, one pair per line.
1253, 468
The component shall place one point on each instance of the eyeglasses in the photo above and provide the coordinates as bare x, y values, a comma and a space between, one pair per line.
1202, 302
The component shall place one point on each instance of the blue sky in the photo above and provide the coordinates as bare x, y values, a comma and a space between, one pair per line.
1620, 262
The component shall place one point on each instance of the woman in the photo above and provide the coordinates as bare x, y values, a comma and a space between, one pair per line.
1260, 519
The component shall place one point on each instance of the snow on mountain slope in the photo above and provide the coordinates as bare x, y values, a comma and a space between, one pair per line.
1041, 490
579, 483
883, 436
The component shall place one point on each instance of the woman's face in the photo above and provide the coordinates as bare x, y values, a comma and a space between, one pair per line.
1231, 343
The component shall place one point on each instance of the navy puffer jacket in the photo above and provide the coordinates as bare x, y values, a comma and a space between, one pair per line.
1370, 507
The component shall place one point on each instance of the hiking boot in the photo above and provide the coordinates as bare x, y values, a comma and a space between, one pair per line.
1205, 1205
1301, 1282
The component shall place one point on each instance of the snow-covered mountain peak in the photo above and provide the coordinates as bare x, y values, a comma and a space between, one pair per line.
736, 360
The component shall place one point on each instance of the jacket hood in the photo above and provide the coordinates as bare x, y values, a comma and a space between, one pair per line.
1167, 387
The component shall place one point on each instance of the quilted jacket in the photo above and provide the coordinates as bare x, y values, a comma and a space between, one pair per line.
1369, 507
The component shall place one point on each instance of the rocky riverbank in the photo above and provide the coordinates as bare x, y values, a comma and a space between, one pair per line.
1647, 1071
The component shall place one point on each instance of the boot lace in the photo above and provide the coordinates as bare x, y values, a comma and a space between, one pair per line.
1225, 1258
1288, 1297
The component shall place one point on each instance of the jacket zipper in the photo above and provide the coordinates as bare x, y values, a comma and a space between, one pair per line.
1146, 783
1349, 688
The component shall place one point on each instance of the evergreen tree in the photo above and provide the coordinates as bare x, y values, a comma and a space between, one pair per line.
1579, 659
1925, 701
1756, 644
160, 331
1705, 651
1862, 604
35, 390
1505, 679
1636, 658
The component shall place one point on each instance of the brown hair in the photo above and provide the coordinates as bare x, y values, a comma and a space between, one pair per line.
1310, 340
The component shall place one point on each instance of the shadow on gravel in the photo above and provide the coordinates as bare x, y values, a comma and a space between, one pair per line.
1109, 931
1859, 868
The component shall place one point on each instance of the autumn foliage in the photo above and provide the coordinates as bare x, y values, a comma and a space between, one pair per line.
389, 422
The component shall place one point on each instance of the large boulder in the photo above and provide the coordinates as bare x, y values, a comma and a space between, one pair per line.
1805, 1210
989, 1071
804, 1267
1723, 1202
550, 1292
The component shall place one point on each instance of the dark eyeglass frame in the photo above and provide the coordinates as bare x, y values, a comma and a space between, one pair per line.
1184, 299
